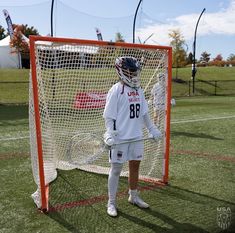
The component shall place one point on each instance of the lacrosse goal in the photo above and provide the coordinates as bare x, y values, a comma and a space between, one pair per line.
68, 85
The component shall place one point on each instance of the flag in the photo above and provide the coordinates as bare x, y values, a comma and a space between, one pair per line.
9, 23
98, 33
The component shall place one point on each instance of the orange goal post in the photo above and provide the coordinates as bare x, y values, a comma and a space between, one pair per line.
69, 81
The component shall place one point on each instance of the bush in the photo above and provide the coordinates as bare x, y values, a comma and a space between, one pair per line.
217, 63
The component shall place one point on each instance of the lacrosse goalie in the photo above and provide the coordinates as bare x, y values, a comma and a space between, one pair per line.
125, 112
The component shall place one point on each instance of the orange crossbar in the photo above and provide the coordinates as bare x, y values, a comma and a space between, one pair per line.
96, 42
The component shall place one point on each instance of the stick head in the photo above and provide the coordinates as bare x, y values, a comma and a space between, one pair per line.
85, 148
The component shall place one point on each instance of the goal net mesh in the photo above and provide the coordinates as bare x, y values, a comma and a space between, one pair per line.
72, 83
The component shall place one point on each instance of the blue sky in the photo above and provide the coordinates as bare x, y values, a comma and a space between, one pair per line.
79, 18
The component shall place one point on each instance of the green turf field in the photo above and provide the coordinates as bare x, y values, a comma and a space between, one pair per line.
206, 73
201, 182
14, 82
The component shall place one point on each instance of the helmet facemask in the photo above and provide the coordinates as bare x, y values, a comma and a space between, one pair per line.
128, 70
131, 77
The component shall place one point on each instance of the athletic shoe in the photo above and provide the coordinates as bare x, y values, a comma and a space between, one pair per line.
111, 210
136, 200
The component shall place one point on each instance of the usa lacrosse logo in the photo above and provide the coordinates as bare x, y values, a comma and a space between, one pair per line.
224, 217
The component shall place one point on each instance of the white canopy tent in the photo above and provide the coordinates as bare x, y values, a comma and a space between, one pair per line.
9, 58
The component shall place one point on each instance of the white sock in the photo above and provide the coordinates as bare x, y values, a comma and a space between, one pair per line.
113, 180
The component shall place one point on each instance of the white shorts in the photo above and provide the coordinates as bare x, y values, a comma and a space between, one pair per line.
127, 152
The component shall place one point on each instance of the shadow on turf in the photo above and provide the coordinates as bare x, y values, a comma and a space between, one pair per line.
199, 135
93, 218
82, 218
181, 195
175, 226
13, 112
185, 194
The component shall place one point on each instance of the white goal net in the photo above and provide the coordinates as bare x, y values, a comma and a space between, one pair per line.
68, 87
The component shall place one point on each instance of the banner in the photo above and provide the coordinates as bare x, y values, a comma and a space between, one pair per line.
90, 100
98, 33
9, 23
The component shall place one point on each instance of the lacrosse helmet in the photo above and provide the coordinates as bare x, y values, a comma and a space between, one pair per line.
128, 70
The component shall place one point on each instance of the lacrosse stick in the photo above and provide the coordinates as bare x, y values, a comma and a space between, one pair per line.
85, 148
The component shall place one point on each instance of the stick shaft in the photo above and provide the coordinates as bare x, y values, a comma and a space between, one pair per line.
130, 141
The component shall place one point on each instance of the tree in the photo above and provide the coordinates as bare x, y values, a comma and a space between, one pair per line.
26, 30
231, 57
177, 43
217, 61
189, 58
205, 57
21, 46
181, 58
119, 37
218, 58
2, 33
17, 41
29, 30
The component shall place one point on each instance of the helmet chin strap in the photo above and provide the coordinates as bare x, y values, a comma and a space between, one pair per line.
126, 84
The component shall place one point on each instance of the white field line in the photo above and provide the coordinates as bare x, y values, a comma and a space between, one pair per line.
173, 122
12, 139
201, 119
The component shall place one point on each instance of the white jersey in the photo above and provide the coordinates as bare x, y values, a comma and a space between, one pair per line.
126, 106
158, 93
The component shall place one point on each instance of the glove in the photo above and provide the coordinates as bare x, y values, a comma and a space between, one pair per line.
109, 140
155, 133
109, 137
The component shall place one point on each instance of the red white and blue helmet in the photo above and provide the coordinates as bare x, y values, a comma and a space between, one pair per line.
128, 70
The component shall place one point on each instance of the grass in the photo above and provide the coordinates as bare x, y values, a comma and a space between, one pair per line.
14, 124
203, 73
208, 81
13, 75
206, 73
12, 92
202, 178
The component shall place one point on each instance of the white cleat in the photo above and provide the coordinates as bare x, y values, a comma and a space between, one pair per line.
136, 200
111, 210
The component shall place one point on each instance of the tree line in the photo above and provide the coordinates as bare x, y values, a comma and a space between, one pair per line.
24, 28
180, 55
182, 59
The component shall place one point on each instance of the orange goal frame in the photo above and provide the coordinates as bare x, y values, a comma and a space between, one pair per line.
33, 39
